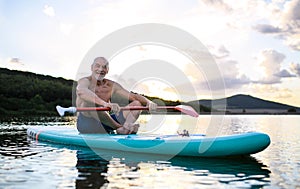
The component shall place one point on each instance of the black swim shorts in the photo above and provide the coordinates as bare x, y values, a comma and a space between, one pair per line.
92, 125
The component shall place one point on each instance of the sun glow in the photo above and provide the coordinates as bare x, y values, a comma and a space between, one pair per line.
169, 86
157, 88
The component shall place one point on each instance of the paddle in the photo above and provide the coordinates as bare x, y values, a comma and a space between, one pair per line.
182, 108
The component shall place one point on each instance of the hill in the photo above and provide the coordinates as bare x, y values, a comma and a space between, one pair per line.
249, 103
26, 93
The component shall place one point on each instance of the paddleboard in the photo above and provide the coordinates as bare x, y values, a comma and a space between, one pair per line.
195, 145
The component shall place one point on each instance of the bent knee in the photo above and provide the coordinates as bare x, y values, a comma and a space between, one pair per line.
135, 103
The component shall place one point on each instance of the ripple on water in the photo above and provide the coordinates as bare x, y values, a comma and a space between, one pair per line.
164, 174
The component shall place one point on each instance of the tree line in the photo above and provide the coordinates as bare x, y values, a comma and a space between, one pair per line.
25, 93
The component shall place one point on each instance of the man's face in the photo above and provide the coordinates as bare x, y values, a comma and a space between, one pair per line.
99, 69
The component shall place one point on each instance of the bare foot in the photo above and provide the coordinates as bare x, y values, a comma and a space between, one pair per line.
128, 129
133, 128
122, 131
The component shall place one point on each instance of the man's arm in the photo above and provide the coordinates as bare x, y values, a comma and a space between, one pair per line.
123, 93
86, 94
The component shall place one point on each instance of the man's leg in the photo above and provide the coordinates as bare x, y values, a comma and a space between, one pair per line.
130, 117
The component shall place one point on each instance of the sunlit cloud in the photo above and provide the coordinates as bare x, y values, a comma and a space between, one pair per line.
266, 28
273, 92
231, 74
278, 18
49, 11
220, 4
284, 73
13, 64
15, 61
295, 68
271, 62
283, 22
218, 52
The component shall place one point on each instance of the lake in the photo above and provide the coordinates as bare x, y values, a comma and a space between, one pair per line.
26, 163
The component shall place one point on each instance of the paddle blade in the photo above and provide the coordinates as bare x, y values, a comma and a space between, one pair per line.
187, 110
61, 111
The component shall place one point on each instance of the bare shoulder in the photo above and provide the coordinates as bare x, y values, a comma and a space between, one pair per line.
116, 86
85, 81
120, 90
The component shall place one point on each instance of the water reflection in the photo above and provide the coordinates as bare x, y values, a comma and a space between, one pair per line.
143, 170
148, 171
90, 168
246, 165
14, 143
13, 135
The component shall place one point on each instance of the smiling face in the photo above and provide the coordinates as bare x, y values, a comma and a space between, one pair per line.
99, 68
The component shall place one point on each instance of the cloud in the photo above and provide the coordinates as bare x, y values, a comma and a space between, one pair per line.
49, 11
284, 73
65, 28
13, 64
291, 14
266, 28
283, 22
272, 92
218, 52
236, 82
220, 4
15, 61
271, 62
231, 74
295, 68
278, 18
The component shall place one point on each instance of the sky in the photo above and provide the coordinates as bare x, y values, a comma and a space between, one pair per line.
254, 43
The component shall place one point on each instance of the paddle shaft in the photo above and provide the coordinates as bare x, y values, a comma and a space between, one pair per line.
182, 108
83, 109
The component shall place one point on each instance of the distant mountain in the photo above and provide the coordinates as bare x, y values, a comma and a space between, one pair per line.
246, 102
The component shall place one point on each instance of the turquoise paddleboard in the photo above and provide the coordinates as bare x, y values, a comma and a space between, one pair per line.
194, 145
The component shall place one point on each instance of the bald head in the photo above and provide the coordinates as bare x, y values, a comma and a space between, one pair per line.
100, 59
99, 68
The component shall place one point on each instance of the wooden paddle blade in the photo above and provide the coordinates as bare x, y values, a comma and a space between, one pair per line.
187, 110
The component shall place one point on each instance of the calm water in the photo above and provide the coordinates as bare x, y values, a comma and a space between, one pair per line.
26, 163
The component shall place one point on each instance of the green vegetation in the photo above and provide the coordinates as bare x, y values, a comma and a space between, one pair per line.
25, 93
292, 110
